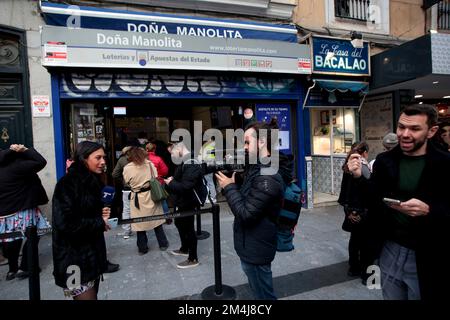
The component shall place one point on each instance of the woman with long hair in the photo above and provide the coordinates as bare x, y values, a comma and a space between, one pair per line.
137, 174
79, 221
355, 211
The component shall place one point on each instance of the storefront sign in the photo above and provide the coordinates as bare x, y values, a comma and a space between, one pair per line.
140, 22
40, 106
114, 49
281, 112
339, 57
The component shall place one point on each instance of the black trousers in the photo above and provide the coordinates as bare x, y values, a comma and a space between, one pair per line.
185, 226
11, 251
142, 240
360, 256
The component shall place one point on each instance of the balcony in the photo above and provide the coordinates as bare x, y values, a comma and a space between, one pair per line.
352, 9
444, 15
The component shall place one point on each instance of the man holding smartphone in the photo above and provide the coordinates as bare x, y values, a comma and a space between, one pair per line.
413, 234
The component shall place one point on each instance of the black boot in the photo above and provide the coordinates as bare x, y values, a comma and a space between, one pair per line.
111, 267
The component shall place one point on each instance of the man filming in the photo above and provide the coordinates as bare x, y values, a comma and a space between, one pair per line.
255, 205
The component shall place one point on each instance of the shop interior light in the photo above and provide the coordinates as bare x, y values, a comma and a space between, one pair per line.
418, 96
421, 102
435, 82
446, 97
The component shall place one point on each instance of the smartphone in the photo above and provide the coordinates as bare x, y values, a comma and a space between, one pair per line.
391, 201
113, 222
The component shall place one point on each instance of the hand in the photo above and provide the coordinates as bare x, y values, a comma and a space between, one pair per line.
354, 218
106, 212
168, 180
223, 180
354, 165
18, 148
413, 207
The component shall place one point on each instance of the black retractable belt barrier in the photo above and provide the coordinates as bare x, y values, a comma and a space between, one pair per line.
33, 263
218, 291
201, 234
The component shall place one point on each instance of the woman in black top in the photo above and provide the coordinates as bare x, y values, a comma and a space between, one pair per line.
21, 192
79, 221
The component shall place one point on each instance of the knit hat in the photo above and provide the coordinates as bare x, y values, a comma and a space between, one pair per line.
390, 140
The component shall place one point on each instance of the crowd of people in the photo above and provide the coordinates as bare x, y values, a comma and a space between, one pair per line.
396, 207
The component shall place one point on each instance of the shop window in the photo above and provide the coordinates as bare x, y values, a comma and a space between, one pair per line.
333, 131
87, 124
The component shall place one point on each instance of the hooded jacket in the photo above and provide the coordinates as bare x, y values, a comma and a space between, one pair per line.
20, 186
78, 227
255, 205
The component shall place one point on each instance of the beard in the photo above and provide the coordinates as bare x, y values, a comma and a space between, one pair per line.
417, 144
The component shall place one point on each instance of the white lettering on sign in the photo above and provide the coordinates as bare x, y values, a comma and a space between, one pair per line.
208, 32
138, 40
341, 63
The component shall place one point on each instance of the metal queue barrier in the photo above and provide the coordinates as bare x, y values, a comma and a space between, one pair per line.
218, 291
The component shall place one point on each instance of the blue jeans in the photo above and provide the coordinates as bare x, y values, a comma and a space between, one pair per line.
165, 207
399, 279
259, 280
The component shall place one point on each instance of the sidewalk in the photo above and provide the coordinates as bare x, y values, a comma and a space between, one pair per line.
315, 270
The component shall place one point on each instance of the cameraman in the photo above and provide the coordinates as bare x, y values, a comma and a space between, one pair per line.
256, 205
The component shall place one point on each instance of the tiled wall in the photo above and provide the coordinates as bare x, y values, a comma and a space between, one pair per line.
321, 173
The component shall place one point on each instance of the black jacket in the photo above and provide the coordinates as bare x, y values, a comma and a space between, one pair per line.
432, 231
186, 176
78, 225
20, 186
255, 205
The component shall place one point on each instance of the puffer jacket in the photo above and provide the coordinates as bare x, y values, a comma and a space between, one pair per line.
78, 226
20, 186
255, 205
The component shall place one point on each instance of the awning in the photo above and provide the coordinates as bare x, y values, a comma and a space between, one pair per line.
329, 94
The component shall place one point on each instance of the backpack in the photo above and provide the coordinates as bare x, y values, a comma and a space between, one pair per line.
201, 191
287, 219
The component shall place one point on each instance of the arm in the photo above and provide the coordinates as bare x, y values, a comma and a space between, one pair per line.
66, 214
33, 162
265, 190
190, 176
118, 169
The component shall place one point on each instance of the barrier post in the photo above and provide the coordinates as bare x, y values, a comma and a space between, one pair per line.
218, 291
33, 263
201, 235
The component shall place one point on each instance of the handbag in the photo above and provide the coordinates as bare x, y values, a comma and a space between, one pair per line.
157, 191
350, 226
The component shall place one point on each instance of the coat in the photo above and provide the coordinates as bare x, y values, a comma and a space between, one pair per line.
20, 186
160, 166
186, 177
432, 230
78, 227
255, 206
137, 177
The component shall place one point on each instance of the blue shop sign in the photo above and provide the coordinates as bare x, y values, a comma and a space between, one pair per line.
108, 19
339, 57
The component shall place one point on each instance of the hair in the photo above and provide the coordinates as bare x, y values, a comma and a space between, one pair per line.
258, 126
150, 147
84, 149
425, 109
358, 147
137, 155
